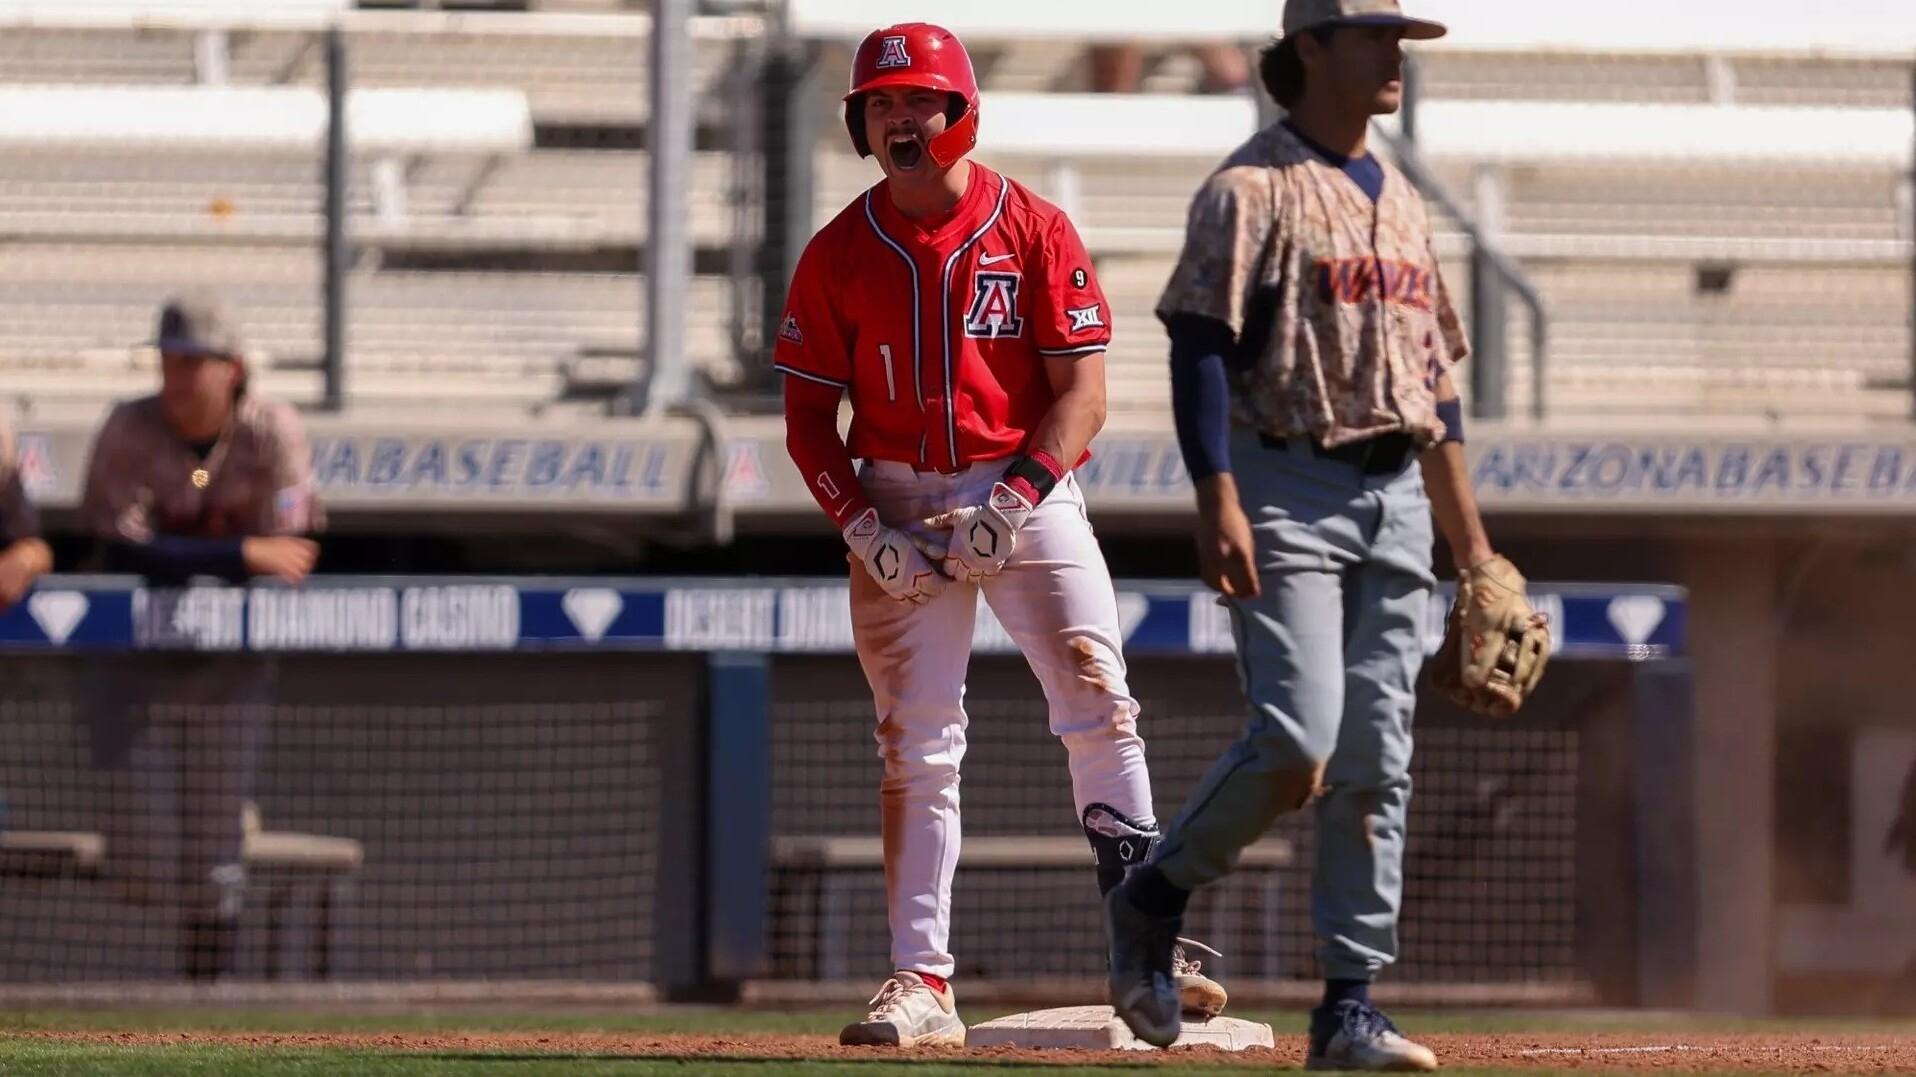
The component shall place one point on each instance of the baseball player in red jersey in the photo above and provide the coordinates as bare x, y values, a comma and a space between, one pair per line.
961, 314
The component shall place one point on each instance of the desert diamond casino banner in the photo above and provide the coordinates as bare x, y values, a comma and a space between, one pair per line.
802, 616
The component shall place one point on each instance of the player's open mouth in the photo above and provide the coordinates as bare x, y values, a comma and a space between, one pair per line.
906, 152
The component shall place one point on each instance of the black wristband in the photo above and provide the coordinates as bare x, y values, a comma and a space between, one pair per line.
1451, 413
1033, 472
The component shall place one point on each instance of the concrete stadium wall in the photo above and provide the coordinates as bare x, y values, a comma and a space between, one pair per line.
1804, 749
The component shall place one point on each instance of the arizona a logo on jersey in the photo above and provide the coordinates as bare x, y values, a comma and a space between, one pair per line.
994, 307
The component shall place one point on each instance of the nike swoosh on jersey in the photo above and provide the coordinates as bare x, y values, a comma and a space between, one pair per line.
992, 260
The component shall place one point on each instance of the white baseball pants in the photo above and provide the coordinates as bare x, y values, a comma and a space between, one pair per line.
1055, 599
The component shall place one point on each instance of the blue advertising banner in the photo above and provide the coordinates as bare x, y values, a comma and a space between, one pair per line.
1627, 622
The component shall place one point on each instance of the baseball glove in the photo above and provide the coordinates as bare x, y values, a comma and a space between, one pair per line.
1495, 646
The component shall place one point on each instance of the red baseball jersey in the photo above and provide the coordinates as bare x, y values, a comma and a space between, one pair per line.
940, 336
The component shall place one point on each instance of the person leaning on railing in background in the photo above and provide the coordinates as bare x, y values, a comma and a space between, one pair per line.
23, 556
202, 479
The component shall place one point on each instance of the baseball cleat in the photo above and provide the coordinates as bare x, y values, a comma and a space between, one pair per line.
1356, 1036
1143, 993
1198, 995
907, 1012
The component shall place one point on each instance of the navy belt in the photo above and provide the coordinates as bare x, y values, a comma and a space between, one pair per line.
1385, 454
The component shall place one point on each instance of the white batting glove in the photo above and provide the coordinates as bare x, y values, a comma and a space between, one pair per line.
983, 536
894, 559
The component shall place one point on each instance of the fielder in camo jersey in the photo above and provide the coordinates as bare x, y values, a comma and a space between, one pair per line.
1312, 339
203, 480
23, 556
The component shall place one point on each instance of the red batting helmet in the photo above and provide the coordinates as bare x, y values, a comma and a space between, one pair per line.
924, 57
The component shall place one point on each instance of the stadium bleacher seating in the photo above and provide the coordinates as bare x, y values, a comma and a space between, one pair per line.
472, 337
556, 198
495, 267
1743, 247
1747, 262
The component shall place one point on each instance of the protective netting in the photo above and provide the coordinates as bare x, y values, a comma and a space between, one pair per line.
410, 820
1491, 868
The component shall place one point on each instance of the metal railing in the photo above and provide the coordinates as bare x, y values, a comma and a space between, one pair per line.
1491, 272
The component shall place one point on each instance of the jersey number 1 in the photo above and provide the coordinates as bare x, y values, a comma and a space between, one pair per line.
891, 388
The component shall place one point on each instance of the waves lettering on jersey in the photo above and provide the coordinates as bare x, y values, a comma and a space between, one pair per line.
994, 307
1354, 280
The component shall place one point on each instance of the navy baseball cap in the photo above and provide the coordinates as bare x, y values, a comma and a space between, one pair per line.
1302, 15
198, 324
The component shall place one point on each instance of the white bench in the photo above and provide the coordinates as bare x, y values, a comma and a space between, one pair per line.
1562, 132
51, 853
286, 864
392, 127
1067, 133
1090, 21
261, 119
282, 863
1871, 28
1867, 28
115, 14
838, 861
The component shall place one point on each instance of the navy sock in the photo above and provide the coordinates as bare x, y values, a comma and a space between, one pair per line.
1336, 991
1155, 895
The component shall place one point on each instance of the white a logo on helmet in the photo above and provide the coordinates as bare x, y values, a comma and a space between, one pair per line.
893, 54
994, 307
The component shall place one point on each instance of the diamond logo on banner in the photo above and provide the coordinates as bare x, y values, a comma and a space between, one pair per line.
592, 609
1636, 616
1131, 610
57, 613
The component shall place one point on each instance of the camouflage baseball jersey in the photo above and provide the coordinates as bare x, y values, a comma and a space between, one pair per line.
18, 519
144, 480
1342, 319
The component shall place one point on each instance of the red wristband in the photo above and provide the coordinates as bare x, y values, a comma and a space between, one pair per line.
1033, 475
1023, 488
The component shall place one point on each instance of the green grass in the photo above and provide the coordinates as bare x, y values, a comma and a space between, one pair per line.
36, 1059
41, 1058
714, 1020
688, 1020
36, 1056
